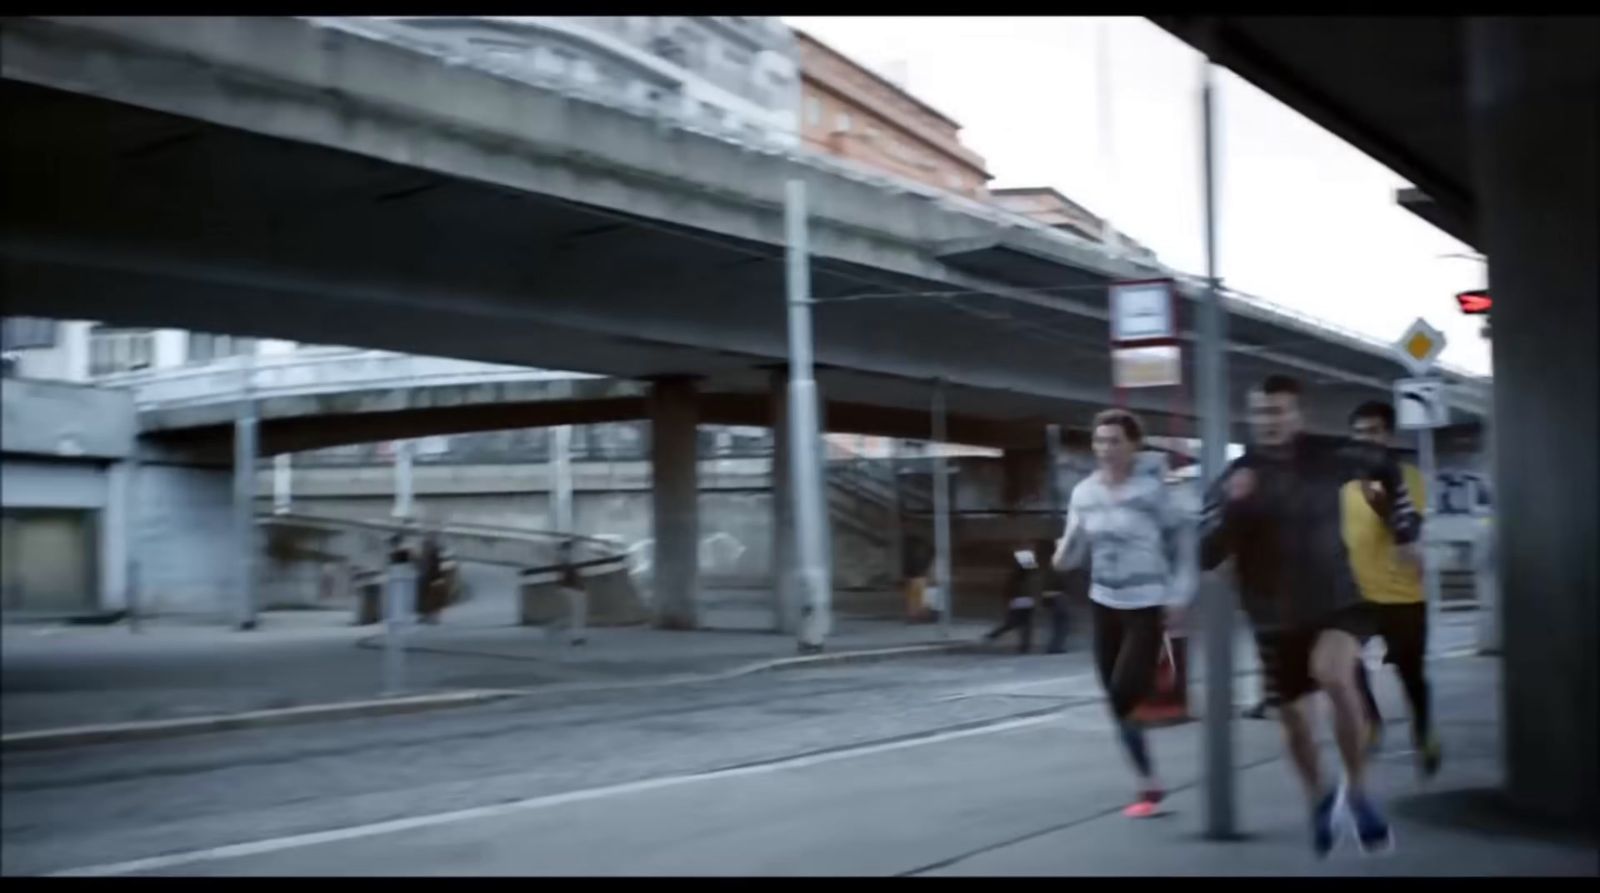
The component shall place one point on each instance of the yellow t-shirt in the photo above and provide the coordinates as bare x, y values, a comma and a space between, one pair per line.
1378, 570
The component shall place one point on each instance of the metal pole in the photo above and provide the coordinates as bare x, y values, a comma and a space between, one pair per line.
131, 527
1108, 232
941, 513
561, 517
1430, 563
1213, 392
811, 575
400, 586
244, 497
402, 479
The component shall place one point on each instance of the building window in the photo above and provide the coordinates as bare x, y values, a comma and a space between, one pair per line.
113, 350
22, 333
841, 122
206, 348
813, 111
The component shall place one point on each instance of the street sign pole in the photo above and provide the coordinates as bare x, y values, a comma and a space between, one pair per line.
1420, 404
1213, 392
811, 576
1430, 565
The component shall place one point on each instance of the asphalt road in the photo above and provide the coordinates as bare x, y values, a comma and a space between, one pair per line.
114, 802
912, 766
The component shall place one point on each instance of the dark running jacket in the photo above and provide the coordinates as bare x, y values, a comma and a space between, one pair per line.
1286, 538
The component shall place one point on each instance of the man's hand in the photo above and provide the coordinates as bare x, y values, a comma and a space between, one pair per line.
1240, 485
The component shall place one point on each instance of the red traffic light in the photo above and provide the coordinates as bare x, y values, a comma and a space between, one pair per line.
1475, 303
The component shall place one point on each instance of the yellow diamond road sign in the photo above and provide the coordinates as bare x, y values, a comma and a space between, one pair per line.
1420, 346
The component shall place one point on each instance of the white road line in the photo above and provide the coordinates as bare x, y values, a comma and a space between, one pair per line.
296, 841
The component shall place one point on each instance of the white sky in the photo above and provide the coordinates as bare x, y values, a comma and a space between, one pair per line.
1305, 219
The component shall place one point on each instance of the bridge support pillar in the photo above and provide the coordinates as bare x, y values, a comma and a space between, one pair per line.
1531, 98
674, 427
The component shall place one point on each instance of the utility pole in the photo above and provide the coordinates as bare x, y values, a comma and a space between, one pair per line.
941, 512
812, 577
1219, 609
245, 450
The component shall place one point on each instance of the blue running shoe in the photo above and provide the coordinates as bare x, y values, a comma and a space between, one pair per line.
1322, 824
1373, 833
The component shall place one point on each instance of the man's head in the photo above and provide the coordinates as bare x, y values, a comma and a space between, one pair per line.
1275, 418
1373, 422
1117, 436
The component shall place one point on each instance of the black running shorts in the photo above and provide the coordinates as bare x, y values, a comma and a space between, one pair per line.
1286, 654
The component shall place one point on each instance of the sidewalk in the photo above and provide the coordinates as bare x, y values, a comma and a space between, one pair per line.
56, 677
1459, 824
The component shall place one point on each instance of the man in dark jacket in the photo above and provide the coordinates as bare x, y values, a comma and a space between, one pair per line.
1277, 512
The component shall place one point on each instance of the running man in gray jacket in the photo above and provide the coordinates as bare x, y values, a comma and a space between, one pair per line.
1140, 549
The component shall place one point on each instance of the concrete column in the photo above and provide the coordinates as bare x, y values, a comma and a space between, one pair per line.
75, 350
785, 604
674, 423
282, 484
116, 531
561, 516
169, 348
403, 501
1534, 109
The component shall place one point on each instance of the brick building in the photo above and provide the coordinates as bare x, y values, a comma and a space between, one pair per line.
850, 112
1051, 208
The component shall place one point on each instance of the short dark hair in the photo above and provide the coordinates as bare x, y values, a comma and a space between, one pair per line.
1375, 409
1127, 421
1280, 384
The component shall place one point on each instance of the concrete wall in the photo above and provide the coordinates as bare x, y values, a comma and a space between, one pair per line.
48, 418
609, 500
183, 539
68, 446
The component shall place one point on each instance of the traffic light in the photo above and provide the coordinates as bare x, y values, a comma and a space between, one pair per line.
1476, 302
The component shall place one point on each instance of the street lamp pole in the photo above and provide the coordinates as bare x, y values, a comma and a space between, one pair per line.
812, 576
1219, 609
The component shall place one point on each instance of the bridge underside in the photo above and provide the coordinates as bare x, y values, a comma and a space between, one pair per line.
152, 219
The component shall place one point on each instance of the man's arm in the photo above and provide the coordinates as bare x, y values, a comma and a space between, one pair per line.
1399, 512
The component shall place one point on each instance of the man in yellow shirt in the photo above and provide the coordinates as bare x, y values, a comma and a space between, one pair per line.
1391, 580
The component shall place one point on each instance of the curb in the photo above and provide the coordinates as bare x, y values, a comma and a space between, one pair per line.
76, 736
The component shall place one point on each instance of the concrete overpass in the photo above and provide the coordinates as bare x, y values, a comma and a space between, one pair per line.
322, 183
1496, 122
313, 399
338, 187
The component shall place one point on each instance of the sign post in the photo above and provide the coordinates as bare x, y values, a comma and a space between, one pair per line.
1420, 405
